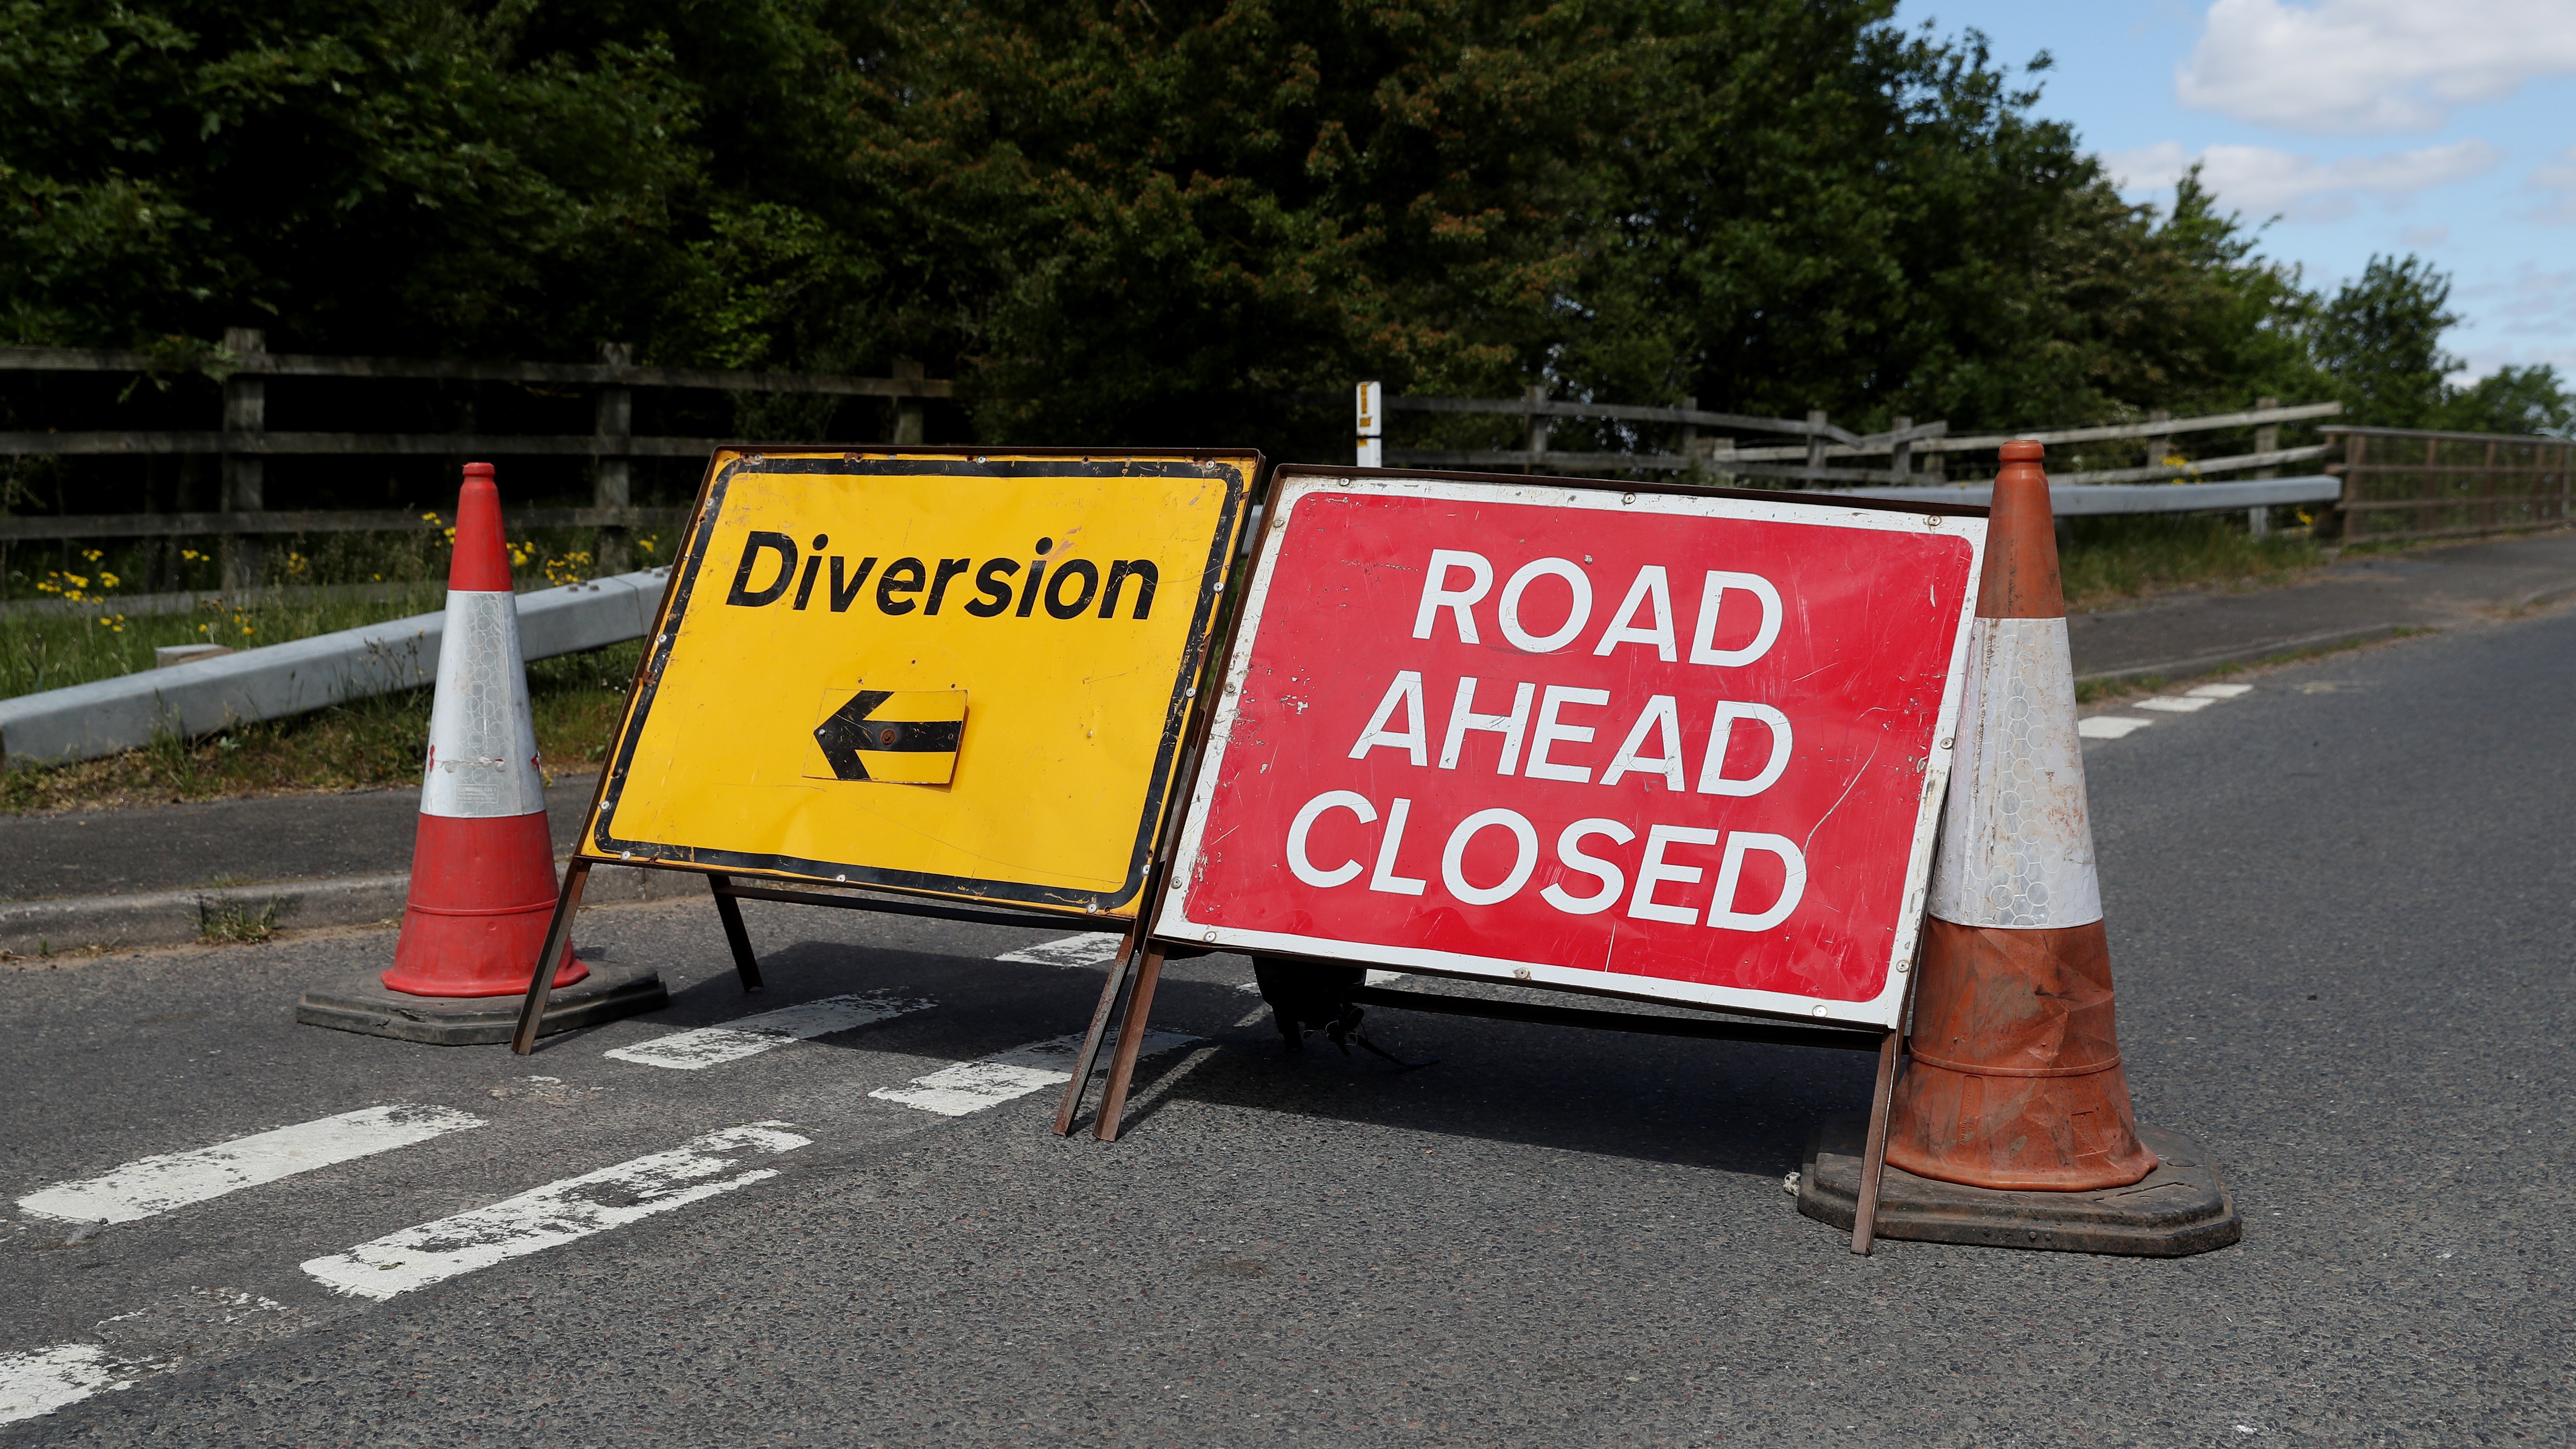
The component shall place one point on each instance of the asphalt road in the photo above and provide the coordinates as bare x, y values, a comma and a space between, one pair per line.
2340, 909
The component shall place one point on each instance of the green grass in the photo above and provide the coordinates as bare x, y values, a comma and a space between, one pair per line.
372, 743
40, 651
2121, 557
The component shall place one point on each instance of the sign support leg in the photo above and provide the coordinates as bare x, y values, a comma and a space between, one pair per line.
1084, 1060
1131, 1038
728, 910
550, 957
1874, 1156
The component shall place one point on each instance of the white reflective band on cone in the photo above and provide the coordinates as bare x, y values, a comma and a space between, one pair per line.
2016, 840
482, 744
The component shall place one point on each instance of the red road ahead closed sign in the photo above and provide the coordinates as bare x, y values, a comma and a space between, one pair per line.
1680, 746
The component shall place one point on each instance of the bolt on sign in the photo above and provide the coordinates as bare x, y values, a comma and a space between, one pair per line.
1670, 744
953, 674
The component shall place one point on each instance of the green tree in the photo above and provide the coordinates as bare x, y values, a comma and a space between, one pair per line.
2512, 400
1121, 220
2380, 339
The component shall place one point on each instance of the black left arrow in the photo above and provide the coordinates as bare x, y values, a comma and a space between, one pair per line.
849, 733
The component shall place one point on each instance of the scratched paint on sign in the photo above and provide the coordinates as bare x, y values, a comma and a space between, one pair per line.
1686, 746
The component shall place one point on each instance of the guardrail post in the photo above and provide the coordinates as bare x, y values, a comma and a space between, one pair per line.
1531, 401
1815, 443
2267, 439
908, 412
245, 473
1900, 454
612, 485
1370, 402
1690, 438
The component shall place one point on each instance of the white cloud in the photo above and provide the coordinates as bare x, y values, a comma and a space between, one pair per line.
2524, 318
2344, 67
2556, 180
2263, 182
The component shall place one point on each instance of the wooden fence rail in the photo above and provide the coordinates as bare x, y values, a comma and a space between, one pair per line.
1902, 445
243, 365
2401, 483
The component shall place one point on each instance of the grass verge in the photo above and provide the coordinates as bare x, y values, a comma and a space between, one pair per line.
2119, 557
364, 744
40, 651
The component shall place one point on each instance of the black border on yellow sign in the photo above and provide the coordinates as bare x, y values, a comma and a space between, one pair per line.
1240, 468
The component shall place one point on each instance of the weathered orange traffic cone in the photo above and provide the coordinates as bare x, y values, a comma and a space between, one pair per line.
483, 863
2015, 1079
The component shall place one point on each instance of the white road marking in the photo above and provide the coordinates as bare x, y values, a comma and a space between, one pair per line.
2219, 691
1382, 978
973, 1086
50, 1378
556, 1213
1092, 948
2174, 706
2109, 726
708, 1046
153, 1185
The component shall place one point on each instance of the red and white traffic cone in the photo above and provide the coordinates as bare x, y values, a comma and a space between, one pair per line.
2015, 1080
483, 862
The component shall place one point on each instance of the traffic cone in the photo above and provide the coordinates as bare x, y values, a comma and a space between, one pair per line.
483, 862
2015, 1079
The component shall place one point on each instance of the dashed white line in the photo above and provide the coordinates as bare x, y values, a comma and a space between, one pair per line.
973, 1086
559, 1212
153, 1185
1092, 948
51, 1378
2190, 701
691, 1051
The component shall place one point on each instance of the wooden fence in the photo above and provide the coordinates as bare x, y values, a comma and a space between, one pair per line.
1914, 451
2408, 484
243, 442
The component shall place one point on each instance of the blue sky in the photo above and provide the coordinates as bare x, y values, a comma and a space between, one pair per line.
2391, 126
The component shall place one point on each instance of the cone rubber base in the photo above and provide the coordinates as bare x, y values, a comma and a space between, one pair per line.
365, 1006
2177, 1210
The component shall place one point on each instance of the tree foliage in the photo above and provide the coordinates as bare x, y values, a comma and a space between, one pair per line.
1121, 220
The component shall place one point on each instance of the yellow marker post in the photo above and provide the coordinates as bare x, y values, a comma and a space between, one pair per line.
926, 671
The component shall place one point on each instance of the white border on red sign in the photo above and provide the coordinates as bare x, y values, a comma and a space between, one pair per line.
1172, 922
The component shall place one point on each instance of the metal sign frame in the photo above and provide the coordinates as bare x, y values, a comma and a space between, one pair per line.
1170, 932
1242, 471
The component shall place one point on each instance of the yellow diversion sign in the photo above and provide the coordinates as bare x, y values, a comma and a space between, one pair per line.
967, 675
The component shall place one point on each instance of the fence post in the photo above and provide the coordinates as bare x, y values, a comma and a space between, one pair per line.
612, 485
1900, 454
1815, 444
245, 475
2267, 439
1690, 439
2428, 519
908, 418
2159, 445
2356, 453
1532, 400
1371, 405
